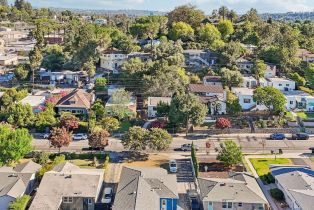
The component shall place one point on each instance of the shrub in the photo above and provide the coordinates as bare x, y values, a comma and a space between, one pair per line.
268, 179
277, 194
20, 203
41, 158
223, 123
107, 161
158, 124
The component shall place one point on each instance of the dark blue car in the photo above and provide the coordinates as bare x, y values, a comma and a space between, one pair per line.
277, 136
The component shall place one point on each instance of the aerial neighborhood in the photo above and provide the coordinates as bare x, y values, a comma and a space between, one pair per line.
200, 107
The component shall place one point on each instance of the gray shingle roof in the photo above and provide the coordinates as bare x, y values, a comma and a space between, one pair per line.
141, 188
239, 187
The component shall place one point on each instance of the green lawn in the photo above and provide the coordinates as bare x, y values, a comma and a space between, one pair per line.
305, 115
261, 165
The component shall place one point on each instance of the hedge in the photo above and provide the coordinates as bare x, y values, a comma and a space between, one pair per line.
20, 203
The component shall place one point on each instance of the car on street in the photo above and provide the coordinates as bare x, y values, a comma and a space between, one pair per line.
79, 136
188, 147
300, 136
107, 196
277, 136
173, 166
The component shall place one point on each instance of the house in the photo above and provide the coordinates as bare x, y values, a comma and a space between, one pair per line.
141, 55
212, 80
54, 39
153, 102
305, 55
239, 191
112, 59
36, 102
130, 105
246, 66
11, 36
297, 184
246, 101
249, 48
297, 99
154, 42
8, 60
63, 77
251, 82
146, 188
282, 84
213, 96
196, 58
20, 47
77, 102
100, 22
69, 187
17, 181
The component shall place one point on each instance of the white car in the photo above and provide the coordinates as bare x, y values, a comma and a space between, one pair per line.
46, 135
173, 166
79, 136
107, 197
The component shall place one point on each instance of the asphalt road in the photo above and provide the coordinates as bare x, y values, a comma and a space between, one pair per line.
250, 143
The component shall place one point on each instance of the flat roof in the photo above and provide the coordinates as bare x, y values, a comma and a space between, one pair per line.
243, 90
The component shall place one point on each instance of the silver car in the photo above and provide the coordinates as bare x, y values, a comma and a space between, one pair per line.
107, 196
79, 136
188, 147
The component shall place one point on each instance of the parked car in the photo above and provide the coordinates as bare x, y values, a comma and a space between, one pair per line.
107, 196
46, 135
188, 147
173, 166
277, 136
300, 136
79, 136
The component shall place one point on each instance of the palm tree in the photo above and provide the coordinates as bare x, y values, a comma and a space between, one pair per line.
223, 11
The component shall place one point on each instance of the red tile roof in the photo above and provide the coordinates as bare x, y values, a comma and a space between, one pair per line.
200, 88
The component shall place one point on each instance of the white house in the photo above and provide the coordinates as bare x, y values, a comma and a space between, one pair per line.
281, 83
8, 60
297, 184
271, 70
299, 100
214, 96
305, 55
62, 77
200, 57
100, 22
251, 82
112, 59
17, 181
36, 102
244, 65
153, 102
246, 101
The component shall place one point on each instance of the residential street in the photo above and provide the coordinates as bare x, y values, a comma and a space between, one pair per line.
250, 143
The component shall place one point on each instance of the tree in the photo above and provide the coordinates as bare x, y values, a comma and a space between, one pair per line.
226, 28
136, 139
20, 115
231, 78
163, 109
69, 121
14, 144
90, 68
54, 58
21, 72
230, 154
309, 75
230, 52
188, 14
110, 124
223, 12
223, 123
98, 139
41, 158
11, 96
270, 97
99, 109
194, 160
258, 70
46, 118
20, 203
186, 109
159, 139
100, 84
210, 35
297, 78
120, 97
181, 30
60, 137
233, 105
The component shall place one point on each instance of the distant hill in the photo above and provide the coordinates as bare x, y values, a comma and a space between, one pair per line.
290, 16
112, 12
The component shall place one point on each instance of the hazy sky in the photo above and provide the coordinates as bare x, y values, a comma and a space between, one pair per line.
166, 5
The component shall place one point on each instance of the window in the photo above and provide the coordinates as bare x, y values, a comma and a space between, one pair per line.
291, 102
227, 205
287, 85
280, 85
67, 199
89, 201
247, 101
163, 204
240, 204
224, 205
